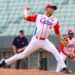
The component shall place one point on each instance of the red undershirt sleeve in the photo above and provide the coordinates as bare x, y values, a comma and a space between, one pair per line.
56, 28
31, 18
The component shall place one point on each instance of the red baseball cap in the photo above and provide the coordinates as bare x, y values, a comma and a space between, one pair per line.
70, 30
51, 6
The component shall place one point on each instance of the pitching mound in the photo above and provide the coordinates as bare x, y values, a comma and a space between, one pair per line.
28, 72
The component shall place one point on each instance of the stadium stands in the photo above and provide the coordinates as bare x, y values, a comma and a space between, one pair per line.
11, 15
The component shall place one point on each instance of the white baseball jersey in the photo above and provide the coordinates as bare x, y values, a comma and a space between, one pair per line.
70, 47
44, 24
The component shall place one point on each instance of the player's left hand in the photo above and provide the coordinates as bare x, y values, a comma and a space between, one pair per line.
64, 42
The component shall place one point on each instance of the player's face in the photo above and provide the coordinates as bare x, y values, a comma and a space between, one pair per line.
71, 35
21, 35
50, 11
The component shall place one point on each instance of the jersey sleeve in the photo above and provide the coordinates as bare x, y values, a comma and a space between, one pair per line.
31, 18
56, 28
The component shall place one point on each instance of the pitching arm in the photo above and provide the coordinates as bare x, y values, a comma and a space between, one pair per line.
27, 17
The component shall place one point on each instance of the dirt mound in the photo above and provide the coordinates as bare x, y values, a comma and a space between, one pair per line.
28, 72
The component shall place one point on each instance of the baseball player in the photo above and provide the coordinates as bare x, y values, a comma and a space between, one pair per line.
44, 24
70, 48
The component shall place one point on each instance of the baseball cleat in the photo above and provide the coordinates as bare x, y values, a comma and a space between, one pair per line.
66, 70
2, 62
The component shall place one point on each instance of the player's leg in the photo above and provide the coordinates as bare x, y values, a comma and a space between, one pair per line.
51, 48
33, 46
63, 56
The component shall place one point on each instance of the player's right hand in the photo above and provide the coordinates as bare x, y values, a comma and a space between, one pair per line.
25, 14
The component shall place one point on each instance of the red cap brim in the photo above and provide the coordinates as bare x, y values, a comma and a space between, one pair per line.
51, 6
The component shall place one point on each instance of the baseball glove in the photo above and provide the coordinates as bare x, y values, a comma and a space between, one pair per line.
71, 56
64, 42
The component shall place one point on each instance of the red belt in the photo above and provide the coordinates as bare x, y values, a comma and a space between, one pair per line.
41, 38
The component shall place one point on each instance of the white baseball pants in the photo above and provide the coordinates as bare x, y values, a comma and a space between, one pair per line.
63, 56
34, 45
